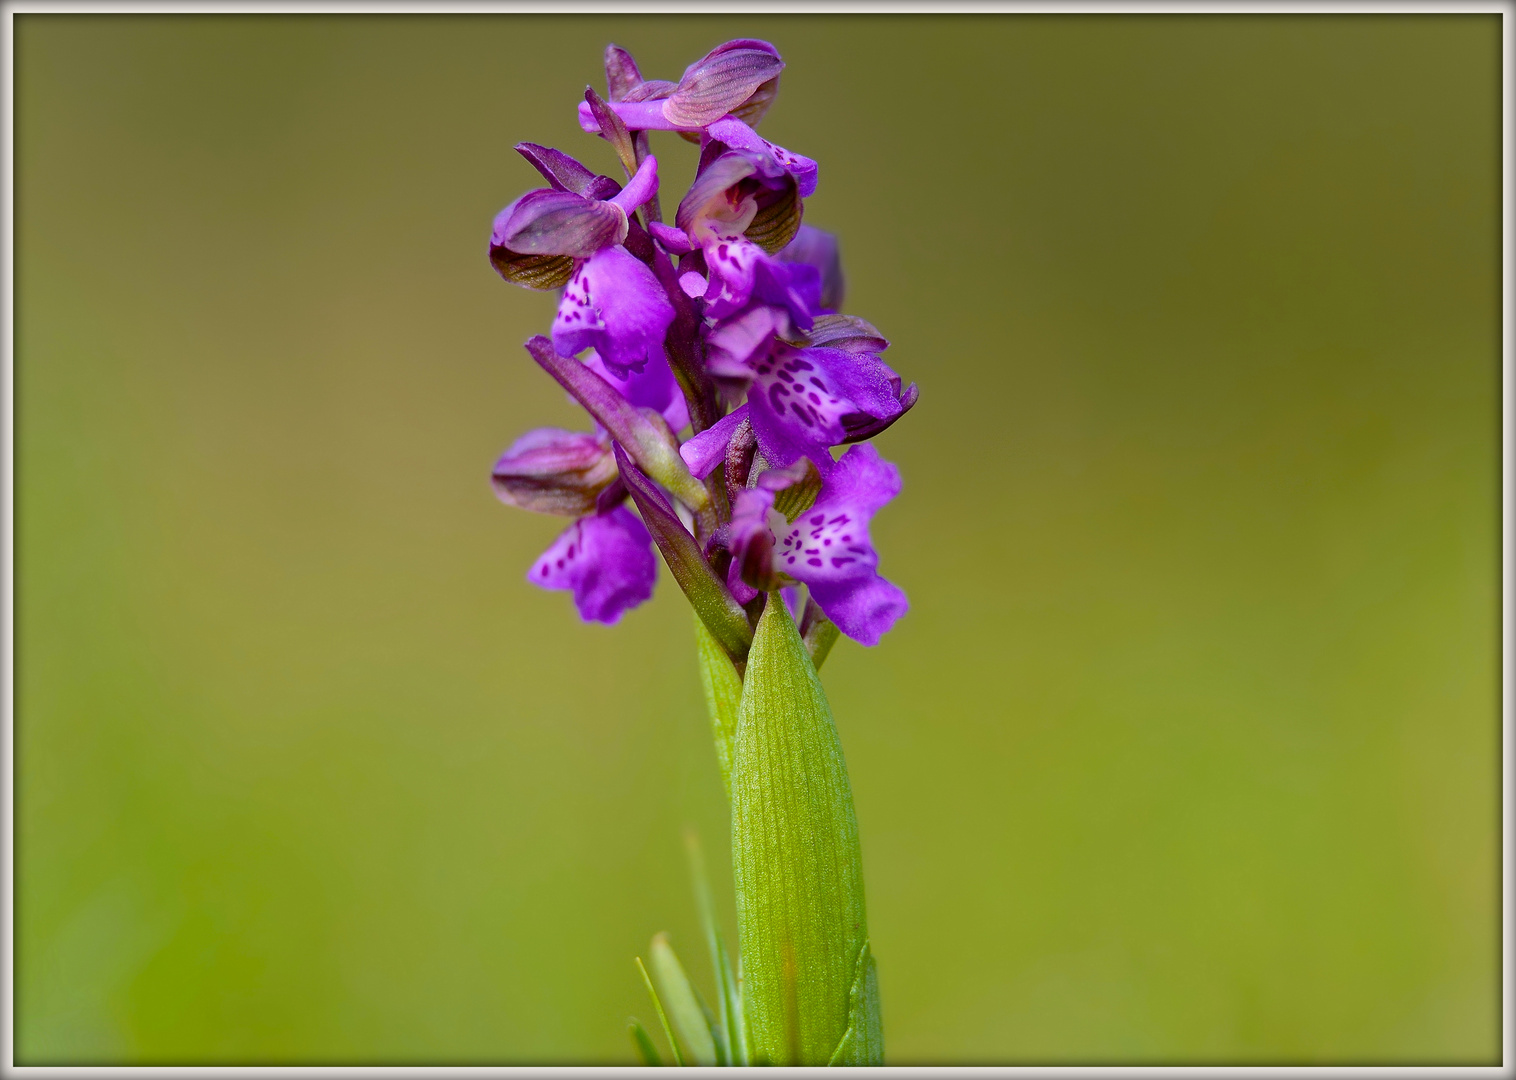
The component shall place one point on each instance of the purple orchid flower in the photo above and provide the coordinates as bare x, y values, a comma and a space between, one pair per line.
611, 301
827, 547
606, 560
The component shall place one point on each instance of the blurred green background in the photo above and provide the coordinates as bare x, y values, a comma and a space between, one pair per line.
1187, 750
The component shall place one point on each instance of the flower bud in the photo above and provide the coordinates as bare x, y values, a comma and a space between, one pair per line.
553, 471
723, 81
548, 222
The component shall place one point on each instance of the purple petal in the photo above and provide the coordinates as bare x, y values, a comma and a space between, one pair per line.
672, 239
751, 539
847, 332
741, 591
703, 452
860, 427
819, 249
565, 173
614, 305
608, 562
636, 115
654, 387
640, 188
739, 136
865, 609
549, 222
621, 74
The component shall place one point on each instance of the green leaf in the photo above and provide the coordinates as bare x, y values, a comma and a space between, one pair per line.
863, 1042
690, 1018
734, 1049
799, 876
668, 1032
723, 693
644, 1044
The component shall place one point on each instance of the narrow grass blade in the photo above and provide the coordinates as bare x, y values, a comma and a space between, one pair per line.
690, 1018
644, 1044
668, 1032
729, 1046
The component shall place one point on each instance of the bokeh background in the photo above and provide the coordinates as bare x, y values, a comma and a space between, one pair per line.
1187, 751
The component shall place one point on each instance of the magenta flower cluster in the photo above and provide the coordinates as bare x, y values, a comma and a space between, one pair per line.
710, 354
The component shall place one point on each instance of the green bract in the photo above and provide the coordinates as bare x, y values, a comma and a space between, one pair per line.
810, 990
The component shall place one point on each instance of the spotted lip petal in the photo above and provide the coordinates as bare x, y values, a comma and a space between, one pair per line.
732, 344
606, 560
614, 305
742, 273
801, 399
829, 549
